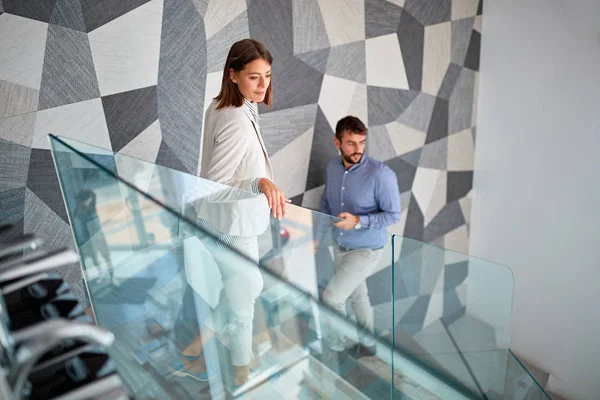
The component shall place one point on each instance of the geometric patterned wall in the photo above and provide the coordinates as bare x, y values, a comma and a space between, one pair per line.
136, 76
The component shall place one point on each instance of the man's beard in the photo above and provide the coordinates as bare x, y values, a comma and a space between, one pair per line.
349, 160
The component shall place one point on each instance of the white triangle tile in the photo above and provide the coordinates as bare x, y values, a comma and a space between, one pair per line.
397, 2
291, 164
465, 205
145, 146
404, 138
475, 100
436, 56
22, 48
464, 9
435, 309
126, 50
83, 121
220, 13
312, 198
385, 66
344, 20
458, 240
335, 98
461, 151
18, 129
438, 198
358, 106
477, 26
424, 186
213, 86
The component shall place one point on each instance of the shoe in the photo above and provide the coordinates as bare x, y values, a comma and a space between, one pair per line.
334, 356
240, 374
360, 350
177, 368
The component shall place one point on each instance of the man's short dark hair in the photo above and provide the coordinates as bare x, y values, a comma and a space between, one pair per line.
351, 124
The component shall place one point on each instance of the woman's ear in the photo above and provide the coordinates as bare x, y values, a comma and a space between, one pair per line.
233, 75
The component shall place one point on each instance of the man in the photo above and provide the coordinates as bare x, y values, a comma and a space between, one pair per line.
363, 193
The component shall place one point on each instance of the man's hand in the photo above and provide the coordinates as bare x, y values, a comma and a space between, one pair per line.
349, 221
275, 197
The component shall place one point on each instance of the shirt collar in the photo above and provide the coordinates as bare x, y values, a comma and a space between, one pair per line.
253, 109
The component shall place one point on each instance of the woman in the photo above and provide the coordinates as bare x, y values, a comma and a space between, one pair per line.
233, 153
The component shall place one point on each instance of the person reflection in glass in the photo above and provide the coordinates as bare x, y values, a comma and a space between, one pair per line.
89, 235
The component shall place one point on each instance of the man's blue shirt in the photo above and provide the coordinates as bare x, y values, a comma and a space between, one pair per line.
368, 189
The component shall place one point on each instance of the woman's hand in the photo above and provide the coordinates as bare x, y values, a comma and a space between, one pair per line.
275, 197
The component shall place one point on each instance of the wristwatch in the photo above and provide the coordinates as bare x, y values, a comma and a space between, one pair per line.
358, 225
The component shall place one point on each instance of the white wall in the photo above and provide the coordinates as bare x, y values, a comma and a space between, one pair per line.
536, 196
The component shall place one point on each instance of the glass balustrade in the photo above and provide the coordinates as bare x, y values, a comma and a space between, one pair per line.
194, 277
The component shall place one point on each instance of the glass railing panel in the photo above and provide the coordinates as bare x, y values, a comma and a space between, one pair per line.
482, 334
285, 246
420, 304
143, 260
450, 332
520, 385
452, 312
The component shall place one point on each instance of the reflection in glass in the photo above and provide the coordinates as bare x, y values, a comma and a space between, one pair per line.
175, 280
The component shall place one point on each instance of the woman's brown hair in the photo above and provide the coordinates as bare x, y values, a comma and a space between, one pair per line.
241, 53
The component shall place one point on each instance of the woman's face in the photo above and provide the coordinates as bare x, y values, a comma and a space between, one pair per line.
253, 80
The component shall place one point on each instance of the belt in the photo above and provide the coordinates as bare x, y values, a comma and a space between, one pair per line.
347, 249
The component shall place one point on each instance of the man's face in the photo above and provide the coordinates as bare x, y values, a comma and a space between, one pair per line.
352, 146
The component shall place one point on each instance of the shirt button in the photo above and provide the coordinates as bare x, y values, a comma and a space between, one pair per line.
343, 188
346, 172
341, 234
342, 203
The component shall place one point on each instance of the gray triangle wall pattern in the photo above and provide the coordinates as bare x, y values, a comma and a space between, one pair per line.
135, 76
